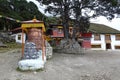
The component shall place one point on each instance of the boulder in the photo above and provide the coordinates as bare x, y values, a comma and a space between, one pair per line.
69, 46
6, 38
31, 64
2, 45
49, 50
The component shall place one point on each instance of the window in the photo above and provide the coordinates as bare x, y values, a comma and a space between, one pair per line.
70, 30
97, 37
107, 37
117, 47
117, 37
19, 37
96, 46
59, 30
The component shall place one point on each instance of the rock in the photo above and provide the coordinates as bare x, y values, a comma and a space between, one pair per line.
35, 72
47, 44
6, 38
2, 45
30, 51
69, 46
49, 50
31, 64
32, 59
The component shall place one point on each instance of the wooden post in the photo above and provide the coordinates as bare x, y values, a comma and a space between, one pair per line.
22, 43
43, 46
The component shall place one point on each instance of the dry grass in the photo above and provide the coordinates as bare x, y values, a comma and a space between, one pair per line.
9, 46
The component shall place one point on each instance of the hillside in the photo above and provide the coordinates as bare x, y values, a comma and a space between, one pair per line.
18, 10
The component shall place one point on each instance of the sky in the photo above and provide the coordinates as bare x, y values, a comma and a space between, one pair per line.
114, 23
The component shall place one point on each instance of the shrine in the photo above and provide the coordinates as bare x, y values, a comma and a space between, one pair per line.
35, 47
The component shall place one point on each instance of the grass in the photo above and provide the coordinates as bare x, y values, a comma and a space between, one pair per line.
10, 46
38, 70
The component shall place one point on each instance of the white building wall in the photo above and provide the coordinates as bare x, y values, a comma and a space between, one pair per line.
19, 40
103, 45
102, 42
114, 42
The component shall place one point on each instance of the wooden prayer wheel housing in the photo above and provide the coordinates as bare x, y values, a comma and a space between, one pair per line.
34, 30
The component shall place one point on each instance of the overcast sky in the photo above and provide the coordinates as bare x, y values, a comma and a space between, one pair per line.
115, 23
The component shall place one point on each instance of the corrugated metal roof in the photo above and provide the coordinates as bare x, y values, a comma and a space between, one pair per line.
103, 29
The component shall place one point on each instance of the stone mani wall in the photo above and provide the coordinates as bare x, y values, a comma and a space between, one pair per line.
30, 51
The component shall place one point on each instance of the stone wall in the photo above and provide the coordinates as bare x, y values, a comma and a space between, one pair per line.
30, 51
6, 38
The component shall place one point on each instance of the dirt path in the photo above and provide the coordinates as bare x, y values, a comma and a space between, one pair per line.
93, 65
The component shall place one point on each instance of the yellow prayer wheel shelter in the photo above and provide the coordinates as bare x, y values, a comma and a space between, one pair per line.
30, 24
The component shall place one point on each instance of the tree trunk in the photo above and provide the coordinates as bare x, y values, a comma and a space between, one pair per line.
69, 44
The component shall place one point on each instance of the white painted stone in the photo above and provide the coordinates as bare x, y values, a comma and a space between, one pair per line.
31, 64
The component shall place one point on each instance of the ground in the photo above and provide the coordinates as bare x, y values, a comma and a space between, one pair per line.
93, 65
